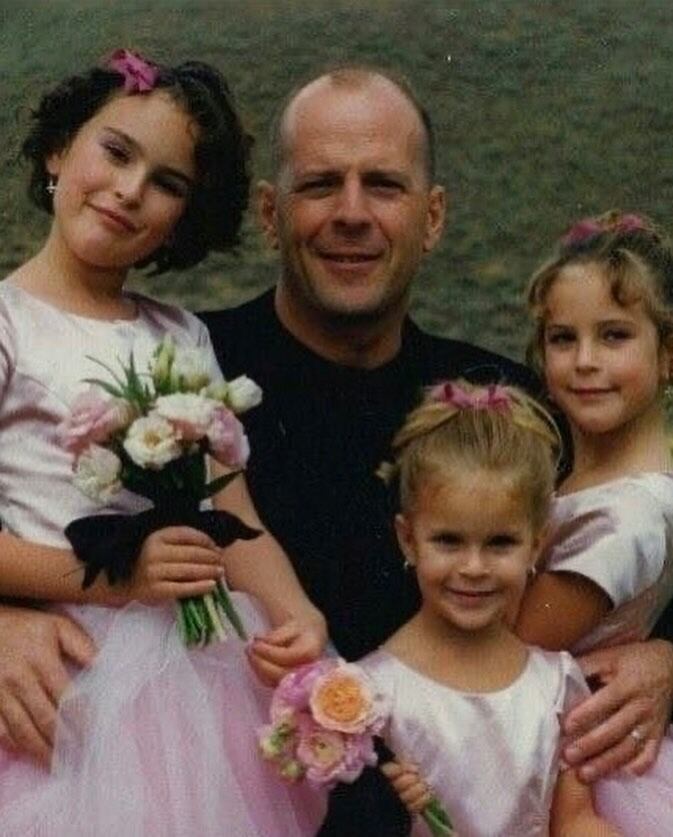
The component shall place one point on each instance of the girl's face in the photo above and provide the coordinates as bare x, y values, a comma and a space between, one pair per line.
603, 362
124, 180
472, 543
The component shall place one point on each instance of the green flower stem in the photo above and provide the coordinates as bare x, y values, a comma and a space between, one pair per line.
215, 619
437, 819
224, 600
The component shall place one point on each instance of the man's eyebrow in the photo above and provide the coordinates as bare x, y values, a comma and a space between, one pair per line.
173, 172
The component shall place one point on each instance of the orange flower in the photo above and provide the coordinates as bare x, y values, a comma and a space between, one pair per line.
342, 700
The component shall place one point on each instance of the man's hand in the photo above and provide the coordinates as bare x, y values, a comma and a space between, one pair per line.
622, 724
33, 649
290, 645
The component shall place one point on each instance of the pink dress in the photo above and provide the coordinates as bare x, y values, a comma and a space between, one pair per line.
620, 535
491, 758
153, 740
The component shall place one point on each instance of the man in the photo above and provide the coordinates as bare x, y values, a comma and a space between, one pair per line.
352, 211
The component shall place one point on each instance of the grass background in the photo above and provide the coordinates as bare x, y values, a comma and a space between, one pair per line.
544, 111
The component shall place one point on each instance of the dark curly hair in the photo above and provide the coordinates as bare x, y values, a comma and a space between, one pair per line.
213, 215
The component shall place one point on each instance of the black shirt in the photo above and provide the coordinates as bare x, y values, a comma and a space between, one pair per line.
317, 439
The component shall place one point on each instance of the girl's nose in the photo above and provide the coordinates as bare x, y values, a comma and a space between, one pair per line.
474, 563
129, 186
585, 357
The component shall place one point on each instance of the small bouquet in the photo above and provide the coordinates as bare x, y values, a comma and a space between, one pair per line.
151, 433
324, 717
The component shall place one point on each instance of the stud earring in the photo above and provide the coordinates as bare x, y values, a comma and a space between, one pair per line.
51, 184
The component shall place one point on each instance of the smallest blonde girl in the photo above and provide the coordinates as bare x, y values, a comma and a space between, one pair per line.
474, 707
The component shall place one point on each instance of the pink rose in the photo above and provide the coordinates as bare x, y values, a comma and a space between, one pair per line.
293, 692
93, 419
329, 756
227, 440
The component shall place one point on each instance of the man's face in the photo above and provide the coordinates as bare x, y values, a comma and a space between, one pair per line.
352, 212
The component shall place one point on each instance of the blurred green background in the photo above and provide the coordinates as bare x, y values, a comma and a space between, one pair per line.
545, 111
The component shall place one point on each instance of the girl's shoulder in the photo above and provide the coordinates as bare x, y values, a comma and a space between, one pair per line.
648, 492
167, 317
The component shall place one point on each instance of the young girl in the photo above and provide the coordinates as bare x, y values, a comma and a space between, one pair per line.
472, 706
603, 307
139, 165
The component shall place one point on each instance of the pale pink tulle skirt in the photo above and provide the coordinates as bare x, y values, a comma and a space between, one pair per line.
156, 741
641, 806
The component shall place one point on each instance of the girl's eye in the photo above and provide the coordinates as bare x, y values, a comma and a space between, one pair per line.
171, 186
116, 152
446, 539
502, 541
616, 335
559, 338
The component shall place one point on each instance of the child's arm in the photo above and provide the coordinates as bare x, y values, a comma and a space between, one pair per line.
261, 568
558, 609
174, 562
572, 812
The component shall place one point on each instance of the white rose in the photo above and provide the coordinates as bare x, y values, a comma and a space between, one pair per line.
190, 414
243, 394
190, 371
152, 442
97, 473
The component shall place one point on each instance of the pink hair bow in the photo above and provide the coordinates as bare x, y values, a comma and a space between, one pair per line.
587, 228
140, 75
493, 397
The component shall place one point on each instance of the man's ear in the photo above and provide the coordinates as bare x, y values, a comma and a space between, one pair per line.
405, 538
435, 217
267, 214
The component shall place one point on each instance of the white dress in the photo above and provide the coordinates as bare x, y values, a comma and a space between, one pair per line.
491, 758
153, 740
620, 535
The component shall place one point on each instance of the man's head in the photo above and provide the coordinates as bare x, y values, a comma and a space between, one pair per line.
353, 208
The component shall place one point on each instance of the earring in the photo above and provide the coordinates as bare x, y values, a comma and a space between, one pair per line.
51, 185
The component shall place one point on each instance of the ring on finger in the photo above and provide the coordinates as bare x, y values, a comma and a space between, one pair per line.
638, 736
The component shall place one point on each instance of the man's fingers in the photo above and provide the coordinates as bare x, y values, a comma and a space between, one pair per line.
23, 732
644, 760
76, 644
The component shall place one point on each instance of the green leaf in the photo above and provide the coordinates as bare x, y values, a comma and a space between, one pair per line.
219, 483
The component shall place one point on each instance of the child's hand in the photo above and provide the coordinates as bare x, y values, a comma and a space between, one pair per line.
408, 784
174, 563
290, 645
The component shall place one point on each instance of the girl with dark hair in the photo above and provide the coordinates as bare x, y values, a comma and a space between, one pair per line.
139, 165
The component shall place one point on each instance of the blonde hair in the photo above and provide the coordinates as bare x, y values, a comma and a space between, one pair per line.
504, 431
638, 263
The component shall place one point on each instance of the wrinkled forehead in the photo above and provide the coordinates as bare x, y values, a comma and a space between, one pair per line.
367, 123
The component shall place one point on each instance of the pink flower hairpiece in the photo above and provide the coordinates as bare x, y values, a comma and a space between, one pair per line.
588, 228
492, 397
140, 75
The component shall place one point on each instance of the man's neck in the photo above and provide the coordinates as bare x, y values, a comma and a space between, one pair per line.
360, 344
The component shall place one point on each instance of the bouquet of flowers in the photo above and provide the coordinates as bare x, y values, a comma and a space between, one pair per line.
324, 717
150, 433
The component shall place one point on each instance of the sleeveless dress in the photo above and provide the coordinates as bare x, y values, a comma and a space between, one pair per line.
154, 740
491, 758
620, 535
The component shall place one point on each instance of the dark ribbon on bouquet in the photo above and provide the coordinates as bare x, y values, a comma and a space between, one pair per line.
111, 543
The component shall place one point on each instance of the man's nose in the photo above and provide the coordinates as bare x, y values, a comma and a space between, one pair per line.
352, 208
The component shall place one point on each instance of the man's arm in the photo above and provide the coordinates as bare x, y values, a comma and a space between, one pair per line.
636, 694
34, 648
